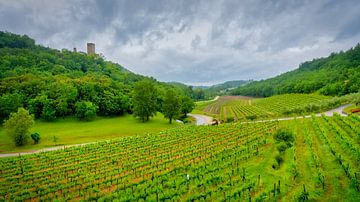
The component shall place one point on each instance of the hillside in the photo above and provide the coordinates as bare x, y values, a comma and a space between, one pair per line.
209, 92
49, 82
338, 74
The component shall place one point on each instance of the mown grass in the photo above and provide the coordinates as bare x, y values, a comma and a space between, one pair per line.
72, 131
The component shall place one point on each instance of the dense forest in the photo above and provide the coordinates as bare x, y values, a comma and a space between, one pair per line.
337, 74
52, 83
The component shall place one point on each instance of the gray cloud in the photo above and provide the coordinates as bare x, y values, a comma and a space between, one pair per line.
195, 42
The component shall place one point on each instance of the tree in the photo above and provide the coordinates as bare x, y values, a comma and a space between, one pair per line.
49, 111
9, 103
171, 105
144, 100
85, 110
187, 105
18, 126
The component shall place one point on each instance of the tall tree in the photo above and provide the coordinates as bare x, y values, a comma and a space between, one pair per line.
144, 100
171, 105
187, 105
18, 126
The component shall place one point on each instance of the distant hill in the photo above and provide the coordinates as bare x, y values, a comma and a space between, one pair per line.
208, 92
337, 74
228, 85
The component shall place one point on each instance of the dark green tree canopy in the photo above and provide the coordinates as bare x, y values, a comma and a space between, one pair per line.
171, 105
144, 100
338, 74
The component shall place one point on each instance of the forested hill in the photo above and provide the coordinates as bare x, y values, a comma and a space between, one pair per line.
337, 74
50, 83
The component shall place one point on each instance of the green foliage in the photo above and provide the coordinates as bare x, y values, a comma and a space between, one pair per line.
9, 103
15, 41
85, 110
279, 159
50, 82
18, 126
187, 105
55, 139
171, 105
251, 117
228, 163
337, 74
49, 111
281, 147
35, 137
284, 135
144, 100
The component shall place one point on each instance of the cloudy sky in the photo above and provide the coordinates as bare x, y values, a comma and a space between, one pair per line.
194, 42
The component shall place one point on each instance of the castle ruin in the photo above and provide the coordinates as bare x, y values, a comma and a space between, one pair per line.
90, 48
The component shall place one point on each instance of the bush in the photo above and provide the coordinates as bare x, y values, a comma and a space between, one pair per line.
285, 136
251, 117
229, 119
279, 159
85, 110
35, 137
281, 147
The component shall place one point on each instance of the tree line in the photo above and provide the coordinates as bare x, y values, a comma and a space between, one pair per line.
336, 75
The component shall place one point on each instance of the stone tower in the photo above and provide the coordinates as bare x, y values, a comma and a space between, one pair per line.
90, 48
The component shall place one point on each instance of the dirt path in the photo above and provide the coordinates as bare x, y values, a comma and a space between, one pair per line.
338, 110
201, 119
43, 150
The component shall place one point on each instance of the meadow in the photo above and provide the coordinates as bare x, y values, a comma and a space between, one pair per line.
72, 131
229, 162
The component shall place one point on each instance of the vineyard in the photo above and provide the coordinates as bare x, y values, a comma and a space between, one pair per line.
241, 108
229, 162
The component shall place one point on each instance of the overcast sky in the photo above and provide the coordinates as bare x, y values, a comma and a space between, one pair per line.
194, 42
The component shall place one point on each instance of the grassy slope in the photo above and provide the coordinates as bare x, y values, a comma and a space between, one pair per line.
71, 131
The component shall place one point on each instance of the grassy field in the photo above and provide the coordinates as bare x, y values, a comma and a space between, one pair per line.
242, 108
229, 162
71, 131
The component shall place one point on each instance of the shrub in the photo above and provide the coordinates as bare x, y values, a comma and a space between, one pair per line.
279, 159
35, 137
229, 119
251, 117
281, 147
285, 136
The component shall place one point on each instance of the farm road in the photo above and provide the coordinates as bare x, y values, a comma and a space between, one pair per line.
43, 150
200, 120
338, 110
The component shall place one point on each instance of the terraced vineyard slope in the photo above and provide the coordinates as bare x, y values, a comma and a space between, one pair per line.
242, 108
229, 162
